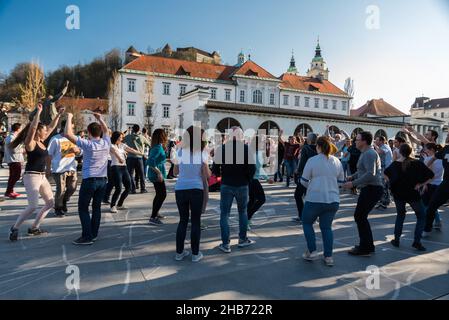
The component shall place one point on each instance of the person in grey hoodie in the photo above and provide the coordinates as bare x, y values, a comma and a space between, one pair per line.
369, 179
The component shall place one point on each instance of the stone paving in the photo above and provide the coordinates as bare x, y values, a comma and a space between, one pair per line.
133, 260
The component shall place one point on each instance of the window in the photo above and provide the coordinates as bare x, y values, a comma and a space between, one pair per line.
285, 100
344, 105
326, 103
317, 102
166, 91
257, 96
442, 114
228, 95
182, 89
306, 102
166, 110
131, 85
242, 95
149, 110
334, 104
297, 101
272, 98
213, 93
435, 114
131, 109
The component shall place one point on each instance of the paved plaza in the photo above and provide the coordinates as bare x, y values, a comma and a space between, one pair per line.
133, 260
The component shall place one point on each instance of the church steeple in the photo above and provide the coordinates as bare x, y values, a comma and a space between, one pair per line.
240, 59
318, 67
292, 68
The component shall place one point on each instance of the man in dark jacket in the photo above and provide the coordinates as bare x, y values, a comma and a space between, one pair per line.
307, 152
235, 163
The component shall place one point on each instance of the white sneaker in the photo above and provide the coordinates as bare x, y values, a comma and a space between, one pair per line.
329, 261
225, 248
198, 257
246, 243
310, 256
180, 256
114, 209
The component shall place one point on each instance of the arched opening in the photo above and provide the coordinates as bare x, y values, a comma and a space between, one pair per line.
227, 123
333, 130
355, 132
268, 126
303, 129
381, 133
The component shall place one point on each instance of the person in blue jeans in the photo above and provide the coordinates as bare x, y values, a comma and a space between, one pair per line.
95, 165
321, 176
406, 175
236, 173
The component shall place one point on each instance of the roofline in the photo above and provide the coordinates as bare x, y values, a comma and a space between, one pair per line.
317, 92
174, 76
221, 106
255, 78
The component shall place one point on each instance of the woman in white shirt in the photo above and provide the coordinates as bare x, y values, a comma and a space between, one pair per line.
120, 174
321, 176
193, 173
437, 168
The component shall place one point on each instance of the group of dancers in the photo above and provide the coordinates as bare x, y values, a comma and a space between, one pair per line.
318, 164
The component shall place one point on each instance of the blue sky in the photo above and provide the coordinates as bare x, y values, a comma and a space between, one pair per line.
406, 57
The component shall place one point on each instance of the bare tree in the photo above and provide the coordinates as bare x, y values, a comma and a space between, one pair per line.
114, 101
34, 88
151, 112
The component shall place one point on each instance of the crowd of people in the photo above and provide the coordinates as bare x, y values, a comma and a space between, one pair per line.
116, 164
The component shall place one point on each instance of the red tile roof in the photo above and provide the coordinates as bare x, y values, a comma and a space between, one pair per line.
252, 69
377, 107
292, 81
181, 67
95, 105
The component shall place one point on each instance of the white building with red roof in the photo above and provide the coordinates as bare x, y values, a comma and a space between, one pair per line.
164, 92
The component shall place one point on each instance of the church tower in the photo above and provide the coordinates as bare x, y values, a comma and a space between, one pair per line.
318, 68
292, 69
240, 59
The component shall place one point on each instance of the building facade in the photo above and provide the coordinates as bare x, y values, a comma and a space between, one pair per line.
153, 89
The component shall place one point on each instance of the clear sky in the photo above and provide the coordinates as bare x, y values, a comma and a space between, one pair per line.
407, 56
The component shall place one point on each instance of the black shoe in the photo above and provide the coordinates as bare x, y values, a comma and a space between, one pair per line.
82, 242
59, 213
133, 192
418, 246
64, 208
395, 243
356, 251
106, 202
144, 191
13, 234
36, 231
159, 216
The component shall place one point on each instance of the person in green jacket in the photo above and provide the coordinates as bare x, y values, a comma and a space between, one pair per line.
157, 173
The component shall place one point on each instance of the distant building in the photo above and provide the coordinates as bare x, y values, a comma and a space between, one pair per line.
85, 106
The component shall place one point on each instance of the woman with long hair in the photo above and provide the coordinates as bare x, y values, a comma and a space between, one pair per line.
192, 167
34, 179
119, 172
321, 176
157, 173
406, 176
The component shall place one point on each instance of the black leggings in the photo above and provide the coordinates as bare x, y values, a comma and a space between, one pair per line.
120, 175
439, 197
189, 202
161, 194
256, 197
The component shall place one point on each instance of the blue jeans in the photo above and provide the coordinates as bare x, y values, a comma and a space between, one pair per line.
345, 168
326, 212
227, 195
120, 175
420, 213
92, 189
